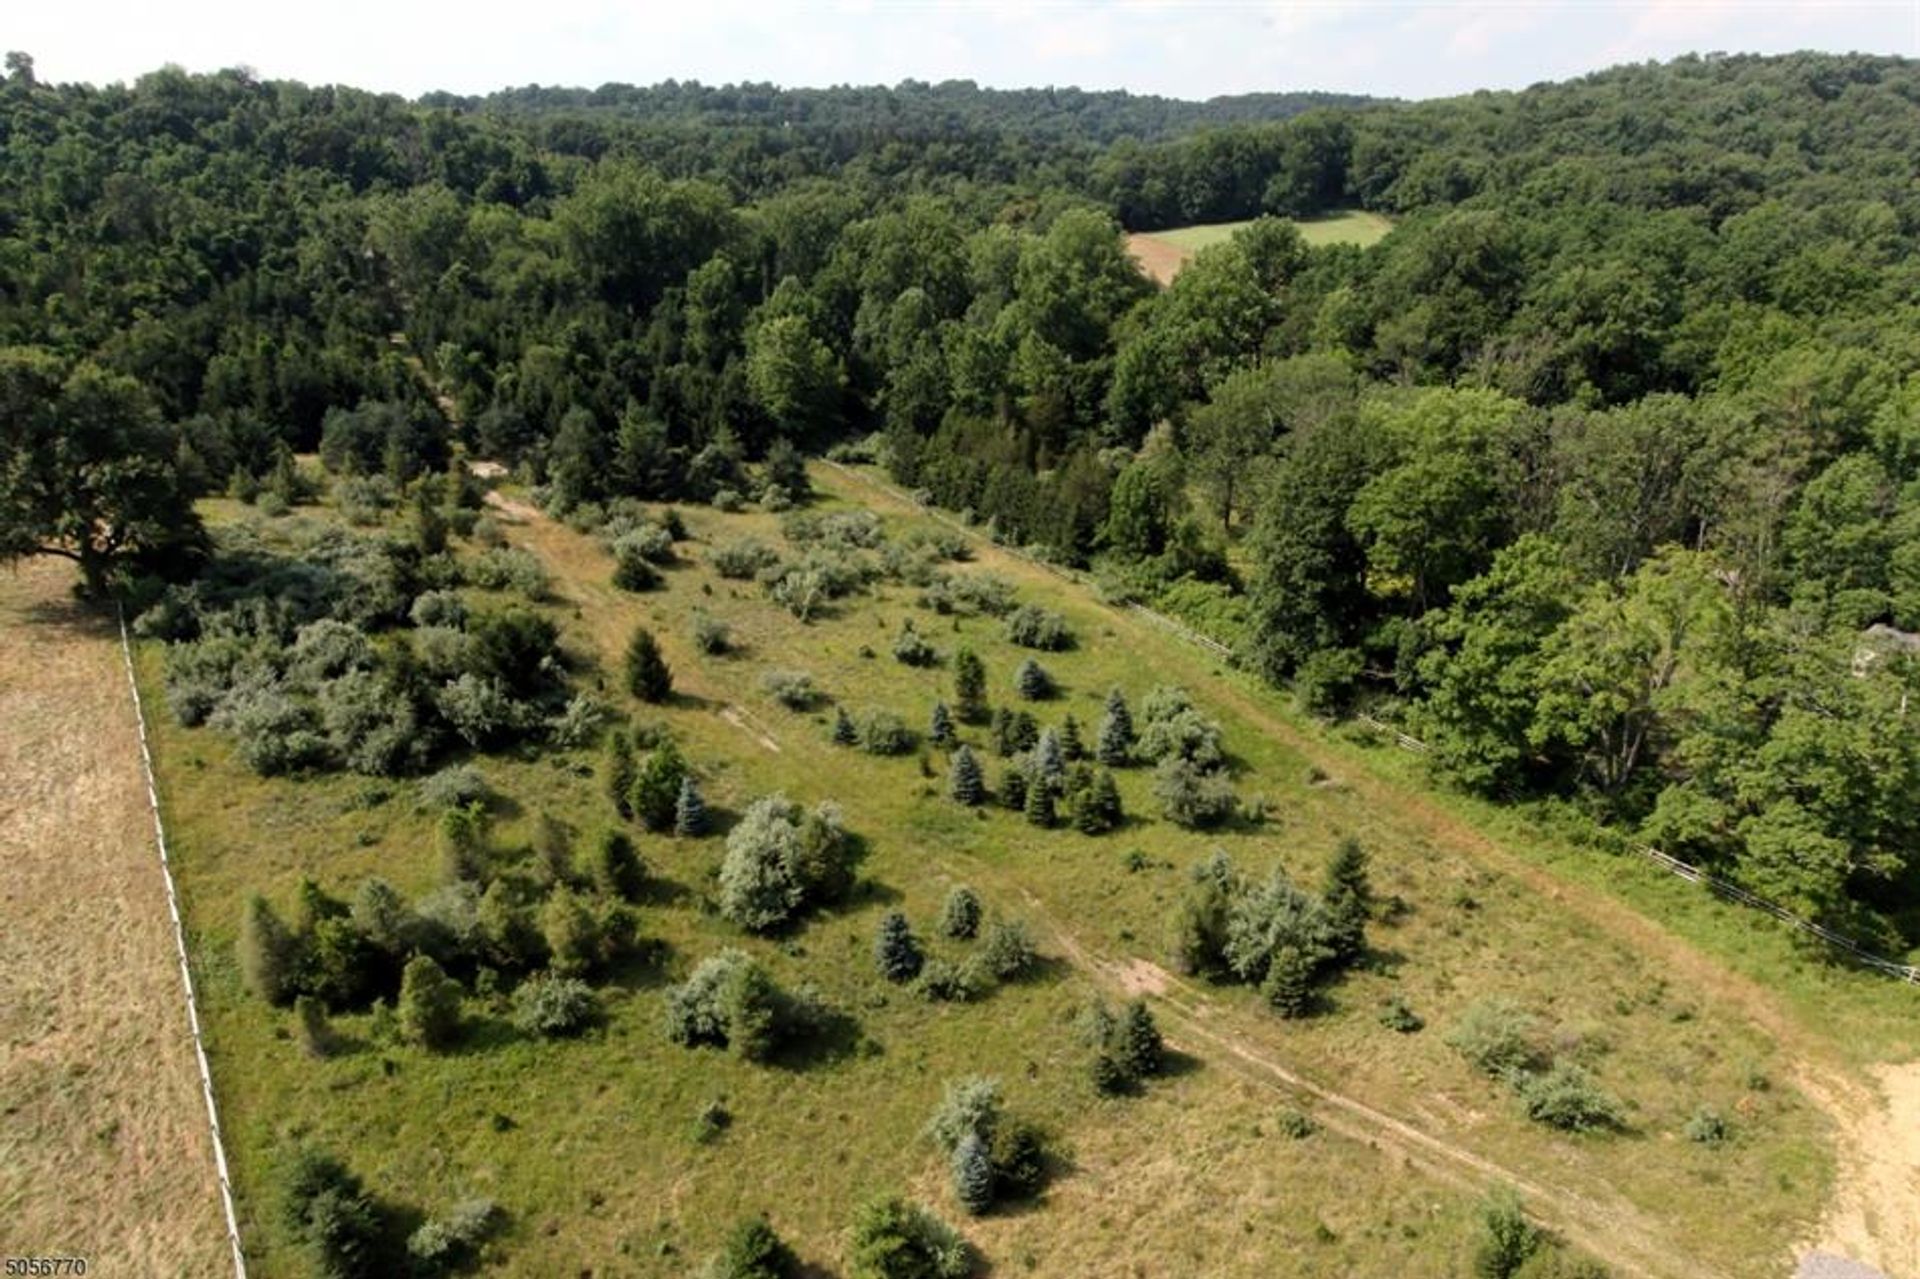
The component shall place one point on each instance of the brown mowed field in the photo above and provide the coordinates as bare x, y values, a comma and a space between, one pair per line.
104, 1152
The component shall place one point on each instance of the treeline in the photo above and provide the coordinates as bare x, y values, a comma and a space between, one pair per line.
1601, 467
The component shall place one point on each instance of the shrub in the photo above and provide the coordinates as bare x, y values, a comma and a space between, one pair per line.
619, 771
572, 933
742, 561
1192, 797
327, 649
729, 501
273, 733
894, 1239
655, 797
753, 1251
1008, 950
579, 723
960, 915
895, 952
554, 1006
943, 981
969, 687
1566, 1097
1032, 681
1397, 1016
429, 1008
728, 1002
940, 725
792, 689
711, 635
479, 710
911, 648
438, 608
510, 568
326, 1210
1031, 626
1498, 1037
965, 781
1507, 1238
1707, 1126
779, 861
450, 1240
1019, 1158
843, 733
632, 570
972, 1174
648, 677
969, 1107
1185, 734
884, 733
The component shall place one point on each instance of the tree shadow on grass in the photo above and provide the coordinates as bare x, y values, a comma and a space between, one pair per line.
834, 1036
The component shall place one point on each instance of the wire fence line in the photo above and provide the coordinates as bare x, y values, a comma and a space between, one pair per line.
180, 952
1722, 888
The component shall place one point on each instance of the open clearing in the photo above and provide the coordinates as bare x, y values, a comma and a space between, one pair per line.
1163, 253
104, 1148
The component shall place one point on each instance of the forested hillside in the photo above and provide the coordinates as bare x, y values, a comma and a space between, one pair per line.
1602, 470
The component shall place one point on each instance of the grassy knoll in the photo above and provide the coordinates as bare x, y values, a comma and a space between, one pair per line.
1163, 253
590, 1144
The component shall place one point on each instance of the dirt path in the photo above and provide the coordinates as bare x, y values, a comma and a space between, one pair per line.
1874, 1215
104, 1151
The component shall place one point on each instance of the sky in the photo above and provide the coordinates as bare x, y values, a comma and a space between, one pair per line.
1181, 48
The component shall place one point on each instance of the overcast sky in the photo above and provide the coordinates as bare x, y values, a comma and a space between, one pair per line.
1186, 48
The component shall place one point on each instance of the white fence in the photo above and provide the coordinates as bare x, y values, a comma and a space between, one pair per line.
180, 952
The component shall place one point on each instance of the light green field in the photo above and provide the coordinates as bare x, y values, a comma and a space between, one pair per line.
587, 1144
1353, 226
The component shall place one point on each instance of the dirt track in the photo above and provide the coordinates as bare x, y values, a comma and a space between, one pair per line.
104, 1151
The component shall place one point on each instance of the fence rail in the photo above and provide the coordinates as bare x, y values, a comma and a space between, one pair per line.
180, 953
1725, 889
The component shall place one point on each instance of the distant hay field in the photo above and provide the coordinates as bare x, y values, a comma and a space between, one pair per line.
1162, 253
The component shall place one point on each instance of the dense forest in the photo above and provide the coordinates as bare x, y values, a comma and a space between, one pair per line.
1601, 472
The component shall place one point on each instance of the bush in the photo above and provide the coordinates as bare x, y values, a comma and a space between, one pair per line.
911, 648
648, 676
327, 649
438, 608
753, 1251
510, 568
479, 710
884, 733
792, 689
632, 570
1397, 1016
616, 866
574, 939
1707, 1127
273, 733
1031, 626
969, 1107
729, 1002
579, 723
1190, 796
894, 1239
1507, 1238
779, 861
429, 1008
945, 982
1499, 1038
742, 561
1182, 733
711, 635
1567, 1098
453, 1239
1008, 951
729, 501
554, 1006
655, 796
960, 915
326, 1210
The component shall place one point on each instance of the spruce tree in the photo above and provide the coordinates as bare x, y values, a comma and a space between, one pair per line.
1116, 731
1096, 805
656, 788
1070, 742
1013, 787
1003, 732
844, 733
895, 952
648, 677
940, 725
617, 869
973, 1174
571, 932
964, 780
690, 810
269, 954
1032, 681
960, 916
1049, 761
1288, 985
429, 1008
969, 687
620, 771
1348, 897
1137, 1040
1039, 806
461, 838
1024, 731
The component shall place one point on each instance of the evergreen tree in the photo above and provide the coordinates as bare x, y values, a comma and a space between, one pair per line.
844, 733
1024, 731
1289, 983
690, 810
1348, 897
960, 916
964, 780
553, 841
940, 725
617, 869
973, 1174
1116, 731
269, 955
648, 677
1138, 1040
969, 687
656, 789
895, 952
1039, 806
1049, 761
1004, 732
1033, 681
1013, 787
620, 771
461, 837
429, 1009
754, 1251
1070, 743
571, 932
1095, 803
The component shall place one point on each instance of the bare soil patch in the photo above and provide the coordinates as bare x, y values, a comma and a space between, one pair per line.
1157, 258
104, 1151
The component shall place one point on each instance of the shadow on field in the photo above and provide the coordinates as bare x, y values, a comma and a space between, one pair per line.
72, 617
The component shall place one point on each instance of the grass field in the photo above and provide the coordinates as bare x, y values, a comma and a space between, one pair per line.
589, 1146
104, 1150
1163, 253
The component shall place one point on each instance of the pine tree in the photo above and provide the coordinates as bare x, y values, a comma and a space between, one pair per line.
656, 788
973, 1174
1096, 805
844, 733
462, 840
1116, 731
690, 810
964, 780
553, 843
571, 932
1039, 806
1289, 981
617, 869
1348, 897
429, 1008
648, 677
316, 1036
620, 771
1070, 742
940, 725
1024, 731
895, 952
1049, 761
1033, 681
1002, 732
269, 955
1013, 787
969, 687
960, 916
1138, 1042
